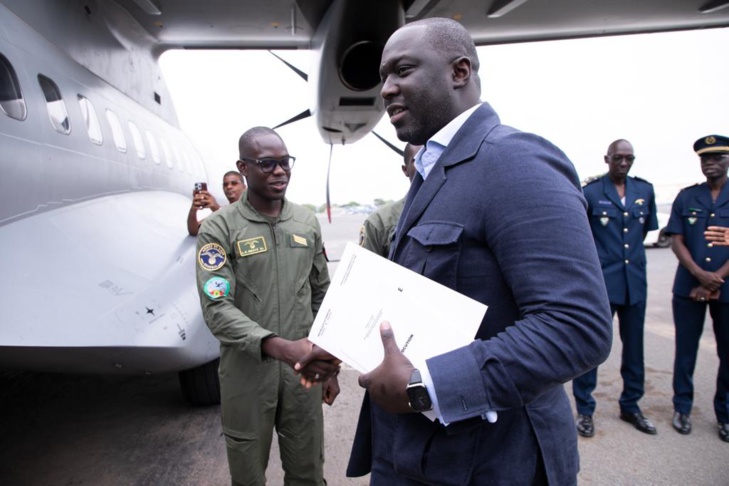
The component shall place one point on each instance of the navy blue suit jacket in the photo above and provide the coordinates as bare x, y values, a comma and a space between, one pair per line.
619, 231
502, 219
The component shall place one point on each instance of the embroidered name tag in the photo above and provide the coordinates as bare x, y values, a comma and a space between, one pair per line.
251, 246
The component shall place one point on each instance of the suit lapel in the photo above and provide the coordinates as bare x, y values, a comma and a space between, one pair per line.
464, 145
723, 196
608, 188
630, 192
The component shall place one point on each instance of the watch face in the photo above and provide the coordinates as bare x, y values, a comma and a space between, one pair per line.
419, 398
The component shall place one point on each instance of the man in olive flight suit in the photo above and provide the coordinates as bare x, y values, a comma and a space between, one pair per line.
378, 229
261, 276
621, 210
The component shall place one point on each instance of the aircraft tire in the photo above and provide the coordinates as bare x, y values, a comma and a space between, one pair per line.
664, 240
201, 385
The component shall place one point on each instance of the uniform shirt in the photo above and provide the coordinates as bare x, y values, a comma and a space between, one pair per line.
378, 230
619, 229
692, 212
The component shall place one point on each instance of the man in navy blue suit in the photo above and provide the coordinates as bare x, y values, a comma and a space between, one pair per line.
701, 281
621, 211
497, 215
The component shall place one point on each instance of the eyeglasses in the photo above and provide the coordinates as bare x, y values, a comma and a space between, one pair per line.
618, 158
267, 165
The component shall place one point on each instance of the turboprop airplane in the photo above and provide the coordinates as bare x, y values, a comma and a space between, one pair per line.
96, 176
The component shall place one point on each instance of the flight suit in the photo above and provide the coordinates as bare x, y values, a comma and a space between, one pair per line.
693, 211
259, 277
619, 229
378, 229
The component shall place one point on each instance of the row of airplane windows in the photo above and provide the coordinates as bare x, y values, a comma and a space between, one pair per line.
13, 105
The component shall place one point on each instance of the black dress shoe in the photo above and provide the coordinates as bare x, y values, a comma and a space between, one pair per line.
682, 423
585, 427
639, 422
724, 432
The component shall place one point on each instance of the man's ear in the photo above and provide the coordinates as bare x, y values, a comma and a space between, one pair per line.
242, 168
462, 71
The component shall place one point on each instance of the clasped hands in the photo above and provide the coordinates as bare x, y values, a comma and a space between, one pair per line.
386, 384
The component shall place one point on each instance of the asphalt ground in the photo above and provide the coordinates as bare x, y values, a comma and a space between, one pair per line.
58, 429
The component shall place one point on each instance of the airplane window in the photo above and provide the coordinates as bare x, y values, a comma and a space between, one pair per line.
168, 154
92, 120
55, 104
11, 99
153, 147
116, 131
178, 157
137, 139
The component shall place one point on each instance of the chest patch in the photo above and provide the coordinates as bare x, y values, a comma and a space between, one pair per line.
211, 257
251, 246
299, 242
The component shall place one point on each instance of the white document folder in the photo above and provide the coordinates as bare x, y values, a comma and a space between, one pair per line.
427, 318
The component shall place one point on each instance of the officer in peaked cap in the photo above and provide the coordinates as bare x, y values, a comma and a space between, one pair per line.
701, 281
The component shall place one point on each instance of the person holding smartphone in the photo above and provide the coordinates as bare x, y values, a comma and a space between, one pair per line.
233, 187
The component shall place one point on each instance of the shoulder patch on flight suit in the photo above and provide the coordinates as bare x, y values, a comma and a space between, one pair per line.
251, 246
299, 241
216, 288
211, 257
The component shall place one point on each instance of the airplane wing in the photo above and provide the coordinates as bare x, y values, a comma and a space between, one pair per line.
281, 24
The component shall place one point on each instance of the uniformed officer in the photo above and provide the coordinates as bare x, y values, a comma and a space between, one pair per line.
700, 281
622, 210
261, 276
378, 229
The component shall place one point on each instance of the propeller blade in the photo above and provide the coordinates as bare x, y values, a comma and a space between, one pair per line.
300, 116
298, 71
329, 168
400, 152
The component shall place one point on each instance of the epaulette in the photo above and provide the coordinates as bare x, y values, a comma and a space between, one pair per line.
598, 178
691, 187
641, 180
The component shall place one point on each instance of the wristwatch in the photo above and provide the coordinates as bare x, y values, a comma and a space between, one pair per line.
419, 399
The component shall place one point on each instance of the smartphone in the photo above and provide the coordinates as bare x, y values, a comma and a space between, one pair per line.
201, 186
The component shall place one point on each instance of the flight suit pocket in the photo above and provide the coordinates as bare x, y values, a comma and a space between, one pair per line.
436, 251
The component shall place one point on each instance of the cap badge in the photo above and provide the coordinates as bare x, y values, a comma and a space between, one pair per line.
710, 140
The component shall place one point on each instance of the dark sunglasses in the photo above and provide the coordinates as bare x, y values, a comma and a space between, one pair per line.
267, 165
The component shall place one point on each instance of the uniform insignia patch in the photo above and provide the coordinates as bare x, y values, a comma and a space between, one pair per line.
710, 140
299, 241
603, 202
692, 220
640, 202
216, 288
361, 235
211, 257
604, 220
251, 246
642, 220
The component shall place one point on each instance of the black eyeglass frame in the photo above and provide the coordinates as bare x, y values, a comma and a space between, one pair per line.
286, 163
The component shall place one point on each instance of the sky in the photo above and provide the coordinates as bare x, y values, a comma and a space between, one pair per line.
659, 91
